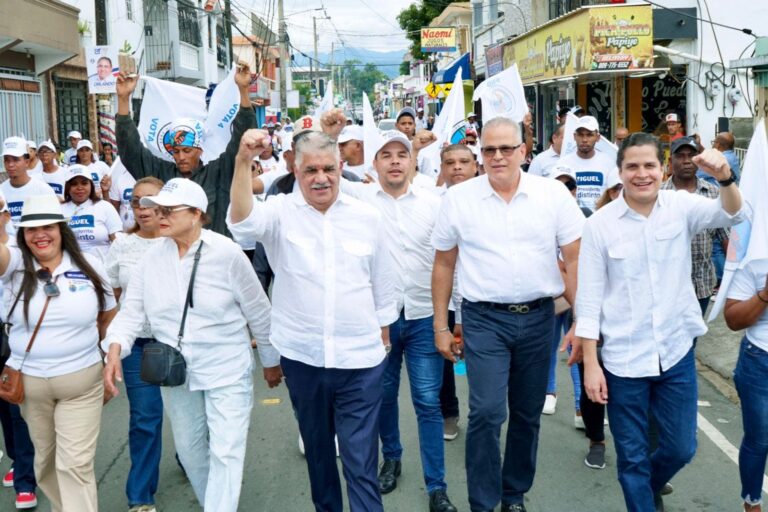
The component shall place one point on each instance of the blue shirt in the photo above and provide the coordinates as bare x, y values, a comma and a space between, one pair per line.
733, 162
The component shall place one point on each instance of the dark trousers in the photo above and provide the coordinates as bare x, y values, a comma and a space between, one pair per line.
449, 402
261, 266
19, 447
592, 413
507, 356
346, 403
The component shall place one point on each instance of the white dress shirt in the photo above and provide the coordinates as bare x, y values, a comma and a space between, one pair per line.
408, 222
635, 281
543, 163
508, 251
228, 300
746, 283
334, 279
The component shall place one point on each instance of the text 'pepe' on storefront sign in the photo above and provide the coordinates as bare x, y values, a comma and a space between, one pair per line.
438, 39
590, 39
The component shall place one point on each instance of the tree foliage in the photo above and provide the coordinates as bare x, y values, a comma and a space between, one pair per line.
416, 16
362, 78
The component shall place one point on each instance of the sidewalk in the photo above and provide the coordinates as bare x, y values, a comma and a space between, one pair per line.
719, 348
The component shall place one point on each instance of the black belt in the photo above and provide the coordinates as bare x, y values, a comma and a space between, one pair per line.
522, 308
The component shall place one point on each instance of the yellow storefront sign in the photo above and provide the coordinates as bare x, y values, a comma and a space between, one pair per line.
591, 39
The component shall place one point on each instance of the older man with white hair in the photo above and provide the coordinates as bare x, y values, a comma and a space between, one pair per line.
332, 336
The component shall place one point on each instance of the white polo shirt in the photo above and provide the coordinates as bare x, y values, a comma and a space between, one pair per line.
92, 224
746, 283
543, 162
68, 338
15, 196
635, 283
508, 251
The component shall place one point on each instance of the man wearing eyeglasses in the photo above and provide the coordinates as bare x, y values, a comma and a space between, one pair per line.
507, 226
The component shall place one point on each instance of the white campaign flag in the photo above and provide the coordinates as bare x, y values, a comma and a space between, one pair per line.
371, 136
503, 95
749, 239
450, 128
165, 102
225, 102
327, 103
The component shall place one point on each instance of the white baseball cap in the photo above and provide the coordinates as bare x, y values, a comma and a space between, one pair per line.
48, 144
351, 132
178, 192
471, 114
392, 136
75, 170
74, 133
85, 143
41, 211
31, 144
672, 118
587, 123
15, 146
559, 170
419, 110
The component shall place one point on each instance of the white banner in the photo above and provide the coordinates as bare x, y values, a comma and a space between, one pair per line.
450, 128
292, 99
225, 102
749, 239
327, 102
371, 135
102, 67
503, 96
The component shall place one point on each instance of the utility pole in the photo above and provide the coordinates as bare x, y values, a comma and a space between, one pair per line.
316, 76
228, 25
284, 57
331, 63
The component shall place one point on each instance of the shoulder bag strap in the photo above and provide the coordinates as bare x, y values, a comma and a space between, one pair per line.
37, 328
189, 303
13, 308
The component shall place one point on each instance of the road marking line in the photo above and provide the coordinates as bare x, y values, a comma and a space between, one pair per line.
721, 442
704, 403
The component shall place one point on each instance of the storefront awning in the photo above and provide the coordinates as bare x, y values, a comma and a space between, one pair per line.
594, 76
448, 74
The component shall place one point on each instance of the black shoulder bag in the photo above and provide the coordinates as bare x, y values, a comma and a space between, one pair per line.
162, 364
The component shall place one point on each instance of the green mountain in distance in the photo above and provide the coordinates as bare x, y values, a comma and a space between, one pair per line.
387, 62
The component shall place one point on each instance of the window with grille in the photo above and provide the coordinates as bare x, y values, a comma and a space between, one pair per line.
129, 9
71, 107
189, 29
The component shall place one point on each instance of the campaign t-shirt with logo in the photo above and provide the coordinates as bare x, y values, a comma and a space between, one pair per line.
122, 190
98, 170
56, 180
15, 197
70, 156
591, 174
92, 224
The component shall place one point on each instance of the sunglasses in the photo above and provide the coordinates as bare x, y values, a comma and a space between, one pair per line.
490, 151
167, 211
50, 289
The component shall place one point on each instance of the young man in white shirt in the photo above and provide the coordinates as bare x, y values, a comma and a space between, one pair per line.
70, 155
19, 185
52, 173
591, 166
507, 309
421, 122
333, 335
351, 149
636, 292
543, 162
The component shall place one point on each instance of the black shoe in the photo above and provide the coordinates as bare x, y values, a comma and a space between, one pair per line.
390, 470
658, 503
515, 507
439, 502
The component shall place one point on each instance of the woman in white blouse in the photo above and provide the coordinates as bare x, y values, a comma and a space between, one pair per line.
93, 220
145, 430
210, 412
62, 371
747, 308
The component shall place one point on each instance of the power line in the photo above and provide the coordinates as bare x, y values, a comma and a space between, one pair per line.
747, 31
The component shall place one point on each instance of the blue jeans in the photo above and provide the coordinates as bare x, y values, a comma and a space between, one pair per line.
718, 259
563, 323
751, 379
145, 431
19, 447
414, 339
507, 356
671, 399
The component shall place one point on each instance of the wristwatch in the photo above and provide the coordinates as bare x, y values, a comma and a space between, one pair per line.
728, 181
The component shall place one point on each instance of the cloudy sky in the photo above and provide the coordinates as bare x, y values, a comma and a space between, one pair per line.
367, 24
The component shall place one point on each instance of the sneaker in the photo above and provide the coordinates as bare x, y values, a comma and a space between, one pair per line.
550, 402
595, 458
578, 422
439, 502
26, 500
142, 508
451, 428
667, 489
8, 479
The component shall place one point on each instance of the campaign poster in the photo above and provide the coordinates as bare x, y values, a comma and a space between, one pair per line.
103, 67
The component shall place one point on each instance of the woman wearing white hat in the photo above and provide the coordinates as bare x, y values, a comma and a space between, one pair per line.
202, 297
93, 221
99, 170
52, 173
60, 304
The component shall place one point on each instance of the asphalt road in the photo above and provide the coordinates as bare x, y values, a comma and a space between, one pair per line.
275, 472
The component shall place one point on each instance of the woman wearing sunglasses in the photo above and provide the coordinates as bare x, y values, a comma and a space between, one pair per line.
52, 287
145, 403
203, 300
93, 221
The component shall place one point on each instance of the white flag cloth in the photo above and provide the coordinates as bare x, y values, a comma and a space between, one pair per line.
569, 142
327, 103
503, 96
164, 102
749, 239
449, 128
371, 136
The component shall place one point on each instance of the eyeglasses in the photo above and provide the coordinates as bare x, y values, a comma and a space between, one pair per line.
50, 289
490, 151
166, 211
470, 142
136, 203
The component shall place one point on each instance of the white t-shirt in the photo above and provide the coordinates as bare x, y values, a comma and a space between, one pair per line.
357, 170
591, 174
70, 156
68, 337
122, 190
543, 163
56, 180
92, 224
36, 169
746, 283
123, 255
15, 197
98, 170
